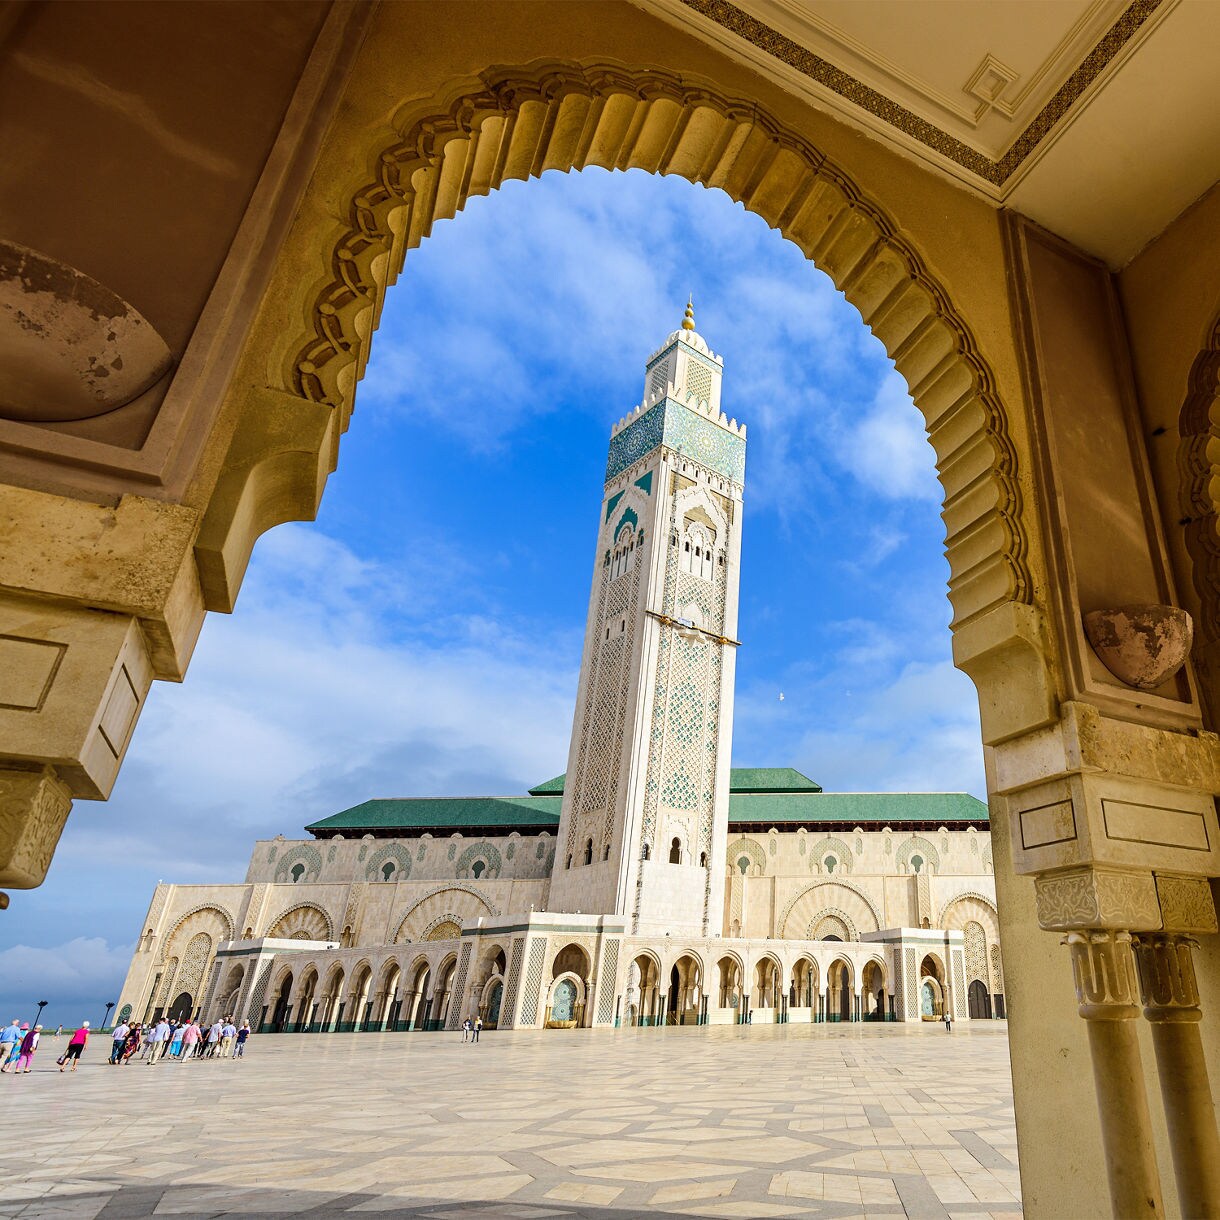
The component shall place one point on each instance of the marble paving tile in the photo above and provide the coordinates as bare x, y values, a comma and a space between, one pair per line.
828, 1122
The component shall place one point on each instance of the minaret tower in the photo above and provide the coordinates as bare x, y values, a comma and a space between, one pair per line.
645, 806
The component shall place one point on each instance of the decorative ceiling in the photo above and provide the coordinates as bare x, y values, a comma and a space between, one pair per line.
1098, 118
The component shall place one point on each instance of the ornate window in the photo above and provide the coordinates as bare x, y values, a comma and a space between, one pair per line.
698, 551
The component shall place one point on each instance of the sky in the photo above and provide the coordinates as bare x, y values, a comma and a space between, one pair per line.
423, 636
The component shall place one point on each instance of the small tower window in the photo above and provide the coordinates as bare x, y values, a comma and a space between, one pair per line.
478, 868
589, 852
830, 864
606, 853
387, 870
703, 859
298, 871
675, 852
646, 852
569, 863
916, 863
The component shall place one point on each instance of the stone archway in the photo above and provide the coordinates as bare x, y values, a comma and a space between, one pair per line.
516, 122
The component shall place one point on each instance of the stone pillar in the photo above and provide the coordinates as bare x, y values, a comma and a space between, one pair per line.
1170, 996
1106, 990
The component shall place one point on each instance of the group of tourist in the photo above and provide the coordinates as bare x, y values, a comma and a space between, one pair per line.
18, 1044
155, 1040
182, 1040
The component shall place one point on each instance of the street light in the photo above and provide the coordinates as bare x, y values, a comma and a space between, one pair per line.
106, 1018
41, 1005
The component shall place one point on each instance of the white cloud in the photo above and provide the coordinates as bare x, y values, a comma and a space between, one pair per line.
887, 449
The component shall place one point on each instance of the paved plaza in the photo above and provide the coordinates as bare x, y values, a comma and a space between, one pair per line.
826, 1121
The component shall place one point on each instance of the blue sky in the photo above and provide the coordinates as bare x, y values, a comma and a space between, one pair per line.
423, 637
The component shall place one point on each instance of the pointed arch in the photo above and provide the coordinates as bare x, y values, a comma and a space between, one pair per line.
514, 122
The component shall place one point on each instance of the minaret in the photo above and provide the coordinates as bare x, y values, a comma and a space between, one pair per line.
645, 806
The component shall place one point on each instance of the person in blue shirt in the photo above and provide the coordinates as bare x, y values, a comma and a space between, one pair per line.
10, 1044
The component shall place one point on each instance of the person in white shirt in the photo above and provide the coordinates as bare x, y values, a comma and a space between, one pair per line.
158, 1040
119, 1034
214, 1038
227, 1034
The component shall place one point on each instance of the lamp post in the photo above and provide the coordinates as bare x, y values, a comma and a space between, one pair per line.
106, 1018
41, 1005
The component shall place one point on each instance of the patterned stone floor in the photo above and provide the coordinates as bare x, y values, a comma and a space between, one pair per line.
826, 1121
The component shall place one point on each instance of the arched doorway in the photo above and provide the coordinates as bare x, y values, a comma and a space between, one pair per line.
442, 994
767, 992
566, 1004
181, 1008
360, 1001
685, 998
804, 990
305, 1004
332, 1002
872, 991
416, 1004
839, 991
979, 1000
932, 989
279, 1014
643, 978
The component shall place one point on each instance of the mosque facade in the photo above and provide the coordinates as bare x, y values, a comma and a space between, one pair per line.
651, 883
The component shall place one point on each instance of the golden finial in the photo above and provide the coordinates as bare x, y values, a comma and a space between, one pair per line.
688, 322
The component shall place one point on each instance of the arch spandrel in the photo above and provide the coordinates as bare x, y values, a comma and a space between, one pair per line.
517, 122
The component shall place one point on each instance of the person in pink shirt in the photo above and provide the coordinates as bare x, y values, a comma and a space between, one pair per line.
76, 1045
29, 1044
189, 1040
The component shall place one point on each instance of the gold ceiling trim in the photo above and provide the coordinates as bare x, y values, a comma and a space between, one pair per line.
727, 15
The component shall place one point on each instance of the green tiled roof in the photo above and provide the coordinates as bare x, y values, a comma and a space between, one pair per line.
446, 813
755, 807
741, 779
855, 808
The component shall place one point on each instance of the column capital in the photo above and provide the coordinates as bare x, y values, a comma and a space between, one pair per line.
1103, 971
1165, 966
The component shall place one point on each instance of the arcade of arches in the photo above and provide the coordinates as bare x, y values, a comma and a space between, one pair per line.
1054, 313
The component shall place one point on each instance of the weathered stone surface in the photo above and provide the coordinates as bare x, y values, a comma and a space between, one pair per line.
1142, 646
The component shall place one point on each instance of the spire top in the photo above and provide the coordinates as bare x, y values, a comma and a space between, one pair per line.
688, 322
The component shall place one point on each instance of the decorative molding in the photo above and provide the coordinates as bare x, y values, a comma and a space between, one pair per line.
996, 172
1097, 898
989, 903
515, 122
846, 885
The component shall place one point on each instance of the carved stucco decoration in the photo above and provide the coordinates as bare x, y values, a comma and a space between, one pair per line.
69, 347
1186, 904
1142, 646
1097, 898
34, 806
516, 122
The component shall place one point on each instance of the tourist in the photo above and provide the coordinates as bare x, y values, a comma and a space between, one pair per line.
467, 1029
948, 1021
175, 1040
76, 1047
119, 1041
29, 1044
157, 1041
243, 1036
227, 1033
214, 1038
478, 1027
10, 1044
132, 1044
190, 1040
